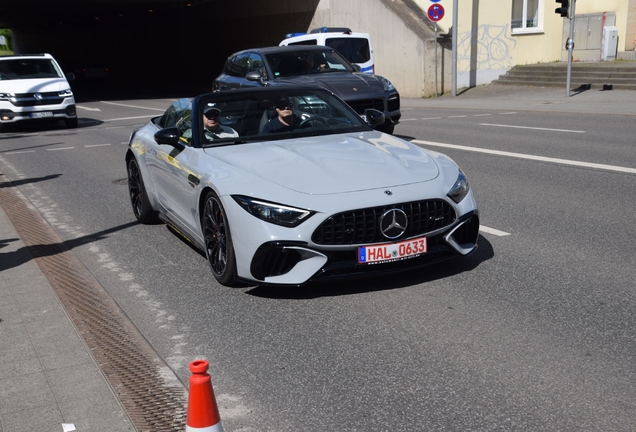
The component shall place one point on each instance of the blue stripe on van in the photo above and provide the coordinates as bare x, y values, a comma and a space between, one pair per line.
368, 69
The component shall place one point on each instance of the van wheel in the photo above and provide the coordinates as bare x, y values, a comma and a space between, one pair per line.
71, 123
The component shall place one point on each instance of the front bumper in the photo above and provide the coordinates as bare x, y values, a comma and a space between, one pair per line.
290, 262
10, 113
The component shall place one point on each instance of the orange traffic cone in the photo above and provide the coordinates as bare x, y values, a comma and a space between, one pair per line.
203, 413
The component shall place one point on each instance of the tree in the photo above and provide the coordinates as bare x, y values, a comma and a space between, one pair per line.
7, 36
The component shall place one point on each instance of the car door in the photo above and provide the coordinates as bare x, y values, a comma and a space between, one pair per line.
234, 72
255, 63
170, 169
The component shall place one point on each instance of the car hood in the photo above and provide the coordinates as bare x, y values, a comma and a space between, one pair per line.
333, 164
34, 85
343, 84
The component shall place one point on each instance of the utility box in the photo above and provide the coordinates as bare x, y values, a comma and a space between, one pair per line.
610, 43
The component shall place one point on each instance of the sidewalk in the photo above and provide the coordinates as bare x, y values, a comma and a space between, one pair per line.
48, 378
526, 98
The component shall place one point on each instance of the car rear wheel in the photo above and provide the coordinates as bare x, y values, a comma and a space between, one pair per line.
138, 197
218, 241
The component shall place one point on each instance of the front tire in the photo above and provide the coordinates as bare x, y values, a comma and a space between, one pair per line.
138, 197
218, 241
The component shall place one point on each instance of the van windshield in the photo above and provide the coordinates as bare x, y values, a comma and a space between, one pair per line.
28, 69
356, 50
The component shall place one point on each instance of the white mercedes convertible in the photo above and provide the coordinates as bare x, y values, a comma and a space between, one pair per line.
282, 186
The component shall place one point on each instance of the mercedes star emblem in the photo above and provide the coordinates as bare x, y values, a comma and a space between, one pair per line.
393, 223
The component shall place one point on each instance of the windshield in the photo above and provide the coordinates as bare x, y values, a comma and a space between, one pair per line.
356, 50
303, 62
28, 69
273, 115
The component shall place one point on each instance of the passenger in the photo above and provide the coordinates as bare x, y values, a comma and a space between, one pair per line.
212, 125
286, 120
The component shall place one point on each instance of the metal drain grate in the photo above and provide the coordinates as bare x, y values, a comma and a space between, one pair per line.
126, 359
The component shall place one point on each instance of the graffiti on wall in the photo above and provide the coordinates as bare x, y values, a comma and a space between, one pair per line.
487, 47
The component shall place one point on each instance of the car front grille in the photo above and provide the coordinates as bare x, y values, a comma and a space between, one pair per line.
363, 226
394, 103
360, 105
30, 99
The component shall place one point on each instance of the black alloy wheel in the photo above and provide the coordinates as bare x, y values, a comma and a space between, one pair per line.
138, 198
218, 241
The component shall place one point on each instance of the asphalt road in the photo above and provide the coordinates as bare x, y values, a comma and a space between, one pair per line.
535, 331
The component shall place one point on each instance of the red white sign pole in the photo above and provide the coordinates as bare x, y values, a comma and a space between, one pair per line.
435, 13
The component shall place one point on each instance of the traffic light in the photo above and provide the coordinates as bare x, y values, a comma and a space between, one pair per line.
563, 10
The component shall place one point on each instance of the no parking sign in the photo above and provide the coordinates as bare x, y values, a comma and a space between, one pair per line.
435, 12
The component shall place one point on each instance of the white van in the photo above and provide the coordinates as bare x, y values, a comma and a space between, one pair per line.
355, 47
34, 87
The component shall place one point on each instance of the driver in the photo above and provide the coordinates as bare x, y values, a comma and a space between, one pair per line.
286, 120
213, 127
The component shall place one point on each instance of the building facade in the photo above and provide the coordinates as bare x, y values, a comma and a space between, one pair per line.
492, 37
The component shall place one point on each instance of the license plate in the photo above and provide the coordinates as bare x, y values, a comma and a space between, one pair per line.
392, 252
42, 114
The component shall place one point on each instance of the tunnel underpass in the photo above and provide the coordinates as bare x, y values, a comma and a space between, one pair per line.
150, 46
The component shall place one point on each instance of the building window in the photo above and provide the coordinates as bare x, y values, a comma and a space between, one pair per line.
525, 16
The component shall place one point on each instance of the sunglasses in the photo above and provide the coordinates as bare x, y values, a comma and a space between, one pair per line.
212, 114
286, 107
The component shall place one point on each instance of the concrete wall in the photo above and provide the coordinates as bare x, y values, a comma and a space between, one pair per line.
399, 59
403, 54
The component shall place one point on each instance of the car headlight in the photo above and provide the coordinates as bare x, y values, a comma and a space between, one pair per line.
272, 212
6, 96
460, 189
65, 93
388, 86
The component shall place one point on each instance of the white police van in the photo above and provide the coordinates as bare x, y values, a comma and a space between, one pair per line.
355, 47
33, 87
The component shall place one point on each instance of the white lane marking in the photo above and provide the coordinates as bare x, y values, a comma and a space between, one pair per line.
20, 152
135, 106
403, 120
60, 148
457, 116
87, 108
130, 118
115, 127
493, 231
97, 145
508, 113
431, 118
531, 157
481, 115
535, 128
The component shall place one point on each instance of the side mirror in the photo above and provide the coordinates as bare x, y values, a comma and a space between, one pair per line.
70, 76
357, 67
169, 136
374, 117
255, 76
